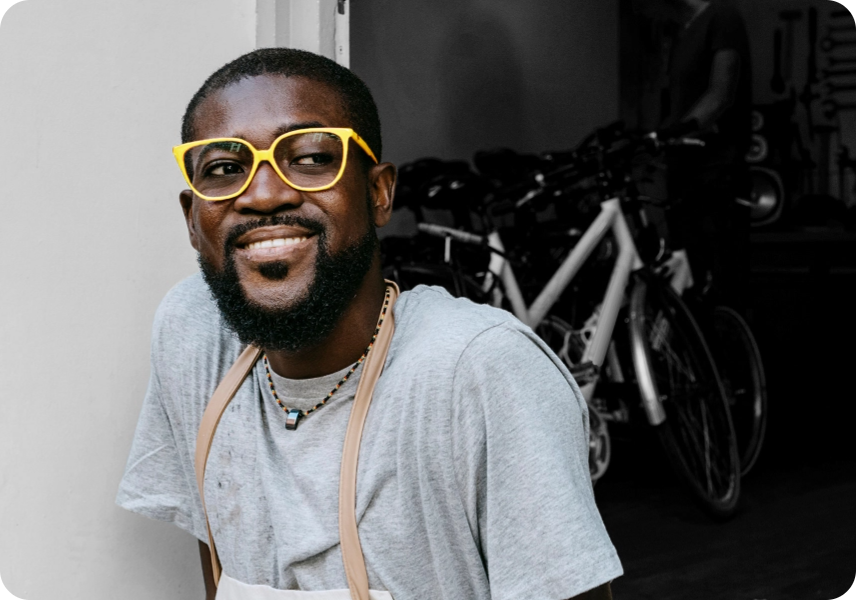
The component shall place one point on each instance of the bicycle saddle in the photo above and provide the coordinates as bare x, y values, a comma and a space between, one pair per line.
505, 165
414, 179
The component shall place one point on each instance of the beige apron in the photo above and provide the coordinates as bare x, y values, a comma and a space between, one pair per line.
352, 555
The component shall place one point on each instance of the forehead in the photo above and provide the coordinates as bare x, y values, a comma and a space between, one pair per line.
260, 108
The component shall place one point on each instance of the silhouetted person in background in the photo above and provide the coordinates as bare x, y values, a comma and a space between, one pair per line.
708, 96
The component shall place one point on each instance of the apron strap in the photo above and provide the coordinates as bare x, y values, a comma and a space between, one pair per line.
210, 419
352, 555
349, 540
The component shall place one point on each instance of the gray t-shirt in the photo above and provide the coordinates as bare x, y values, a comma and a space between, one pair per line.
473, 478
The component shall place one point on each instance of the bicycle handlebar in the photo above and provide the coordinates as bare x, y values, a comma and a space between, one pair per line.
677, 141
442, 231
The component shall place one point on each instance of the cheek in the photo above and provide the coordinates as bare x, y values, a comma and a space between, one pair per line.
346, 212
208, 221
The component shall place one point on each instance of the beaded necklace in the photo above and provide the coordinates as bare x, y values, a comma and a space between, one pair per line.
294, 415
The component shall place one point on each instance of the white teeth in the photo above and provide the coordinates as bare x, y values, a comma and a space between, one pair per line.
275, 242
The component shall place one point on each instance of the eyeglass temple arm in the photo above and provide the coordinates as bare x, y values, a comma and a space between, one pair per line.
362, 144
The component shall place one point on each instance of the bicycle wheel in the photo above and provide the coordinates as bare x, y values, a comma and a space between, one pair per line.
563, 340
739, 362
697, 434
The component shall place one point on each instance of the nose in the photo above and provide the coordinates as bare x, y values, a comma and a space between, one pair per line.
267, 193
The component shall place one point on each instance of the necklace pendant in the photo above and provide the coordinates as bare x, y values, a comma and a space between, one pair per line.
292, 418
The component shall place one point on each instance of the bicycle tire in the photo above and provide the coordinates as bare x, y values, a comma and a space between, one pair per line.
697, 434
742, 371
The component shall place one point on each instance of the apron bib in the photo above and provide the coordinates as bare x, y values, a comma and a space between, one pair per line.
232, 589
352, 554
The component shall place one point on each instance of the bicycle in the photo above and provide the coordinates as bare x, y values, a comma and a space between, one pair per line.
680, 389
737, 355
741, 369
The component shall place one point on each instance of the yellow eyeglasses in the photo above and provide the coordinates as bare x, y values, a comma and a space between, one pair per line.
309, 160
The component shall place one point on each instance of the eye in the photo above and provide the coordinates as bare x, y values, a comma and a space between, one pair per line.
318, 158
220, 169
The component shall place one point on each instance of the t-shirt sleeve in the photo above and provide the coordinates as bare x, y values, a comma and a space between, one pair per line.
156, 483
520, 443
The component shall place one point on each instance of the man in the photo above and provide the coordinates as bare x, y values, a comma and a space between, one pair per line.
473, 473
709, 95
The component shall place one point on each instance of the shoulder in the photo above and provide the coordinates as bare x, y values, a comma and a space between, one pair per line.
188, 334
188, 299
439, 327
468, 343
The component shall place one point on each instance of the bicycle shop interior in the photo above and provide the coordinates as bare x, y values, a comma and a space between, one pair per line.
483, 102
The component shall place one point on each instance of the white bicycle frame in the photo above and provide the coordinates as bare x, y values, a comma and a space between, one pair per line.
610, 218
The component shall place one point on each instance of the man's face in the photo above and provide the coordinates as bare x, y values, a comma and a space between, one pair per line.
236, 239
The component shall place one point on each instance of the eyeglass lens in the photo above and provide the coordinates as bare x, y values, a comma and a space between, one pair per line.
309, 160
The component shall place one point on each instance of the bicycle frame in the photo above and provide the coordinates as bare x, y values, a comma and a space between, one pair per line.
610, 218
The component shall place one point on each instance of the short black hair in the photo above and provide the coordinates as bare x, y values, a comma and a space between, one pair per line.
289, 62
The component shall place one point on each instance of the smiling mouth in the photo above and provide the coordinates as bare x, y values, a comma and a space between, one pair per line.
274, 246
275, 243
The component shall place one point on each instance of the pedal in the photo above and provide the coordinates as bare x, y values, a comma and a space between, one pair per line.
614, 399
585, 373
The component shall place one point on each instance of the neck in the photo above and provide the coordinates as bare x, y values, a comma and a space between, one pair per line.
348, 340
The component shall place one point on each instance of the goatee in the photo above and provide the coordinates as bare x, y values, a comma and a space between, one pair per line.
308, 322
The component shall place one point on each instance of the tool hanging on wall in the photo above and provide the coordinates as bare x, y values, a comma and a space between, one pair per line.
833, 88
833, 29
829, 43
789, 17
808, 96
842, 60
844, 163
777, 83
832, 107
830, 73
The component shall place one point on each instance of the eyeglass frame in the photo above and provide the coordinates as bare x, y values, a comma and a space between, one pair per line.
259, 156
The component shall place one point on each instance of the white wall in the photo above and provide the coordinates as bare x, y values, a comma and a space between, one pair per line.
91, 237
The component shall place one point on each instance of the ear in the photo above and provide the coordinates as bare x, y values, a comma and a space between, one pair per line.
186, 199
382, 179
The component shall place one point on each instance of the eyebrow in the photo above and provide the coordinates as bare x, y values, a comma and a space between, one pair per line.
295, 126
281, 130
207, 149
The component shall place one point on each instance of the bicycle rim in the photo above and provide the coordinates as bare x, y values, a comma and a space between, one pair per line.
742, 371
697, 434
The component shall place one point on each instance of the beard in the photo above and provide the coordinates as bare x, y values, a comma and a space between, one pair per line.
314, 316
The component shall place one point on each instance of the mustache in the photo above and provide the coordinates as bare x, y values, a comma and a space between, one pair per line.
312, 225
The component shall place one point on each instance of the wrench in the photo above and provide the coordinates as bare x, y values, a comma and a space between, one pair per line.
806, 98
833, 88
831, 107
846, 60
832, 29
829, 43
844, 163
828, 73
